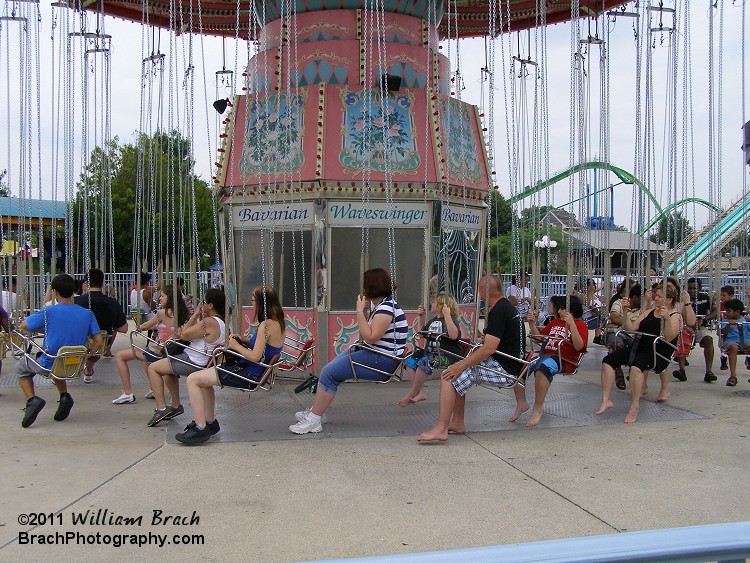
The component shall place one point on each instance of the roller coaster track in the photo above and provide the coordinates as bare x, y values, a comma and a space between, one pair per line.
625, 178
699, 248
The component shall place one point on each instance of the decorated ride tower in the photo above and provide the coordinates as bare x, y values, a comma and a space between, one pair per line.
348, 151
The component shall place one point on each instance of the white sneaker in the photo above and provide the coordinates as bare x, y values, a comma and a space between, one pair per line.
124, 398
302, 415
150, 394
306, 426
87, 379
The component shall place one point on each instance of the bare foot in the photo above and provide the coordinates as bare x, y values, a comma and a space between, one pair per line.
606, 405
457, 427
631, 416
433, 435
406, 401
663, 396
421, 396
520, 409
534, 418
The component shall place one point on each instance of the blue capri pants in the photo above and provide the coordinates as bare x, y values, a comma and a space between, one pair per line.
339, 369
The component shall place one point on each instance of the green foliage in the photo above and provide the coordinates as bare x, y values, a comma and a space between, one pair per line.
164, 221
501, 220
4, 191
501, 250
672, 229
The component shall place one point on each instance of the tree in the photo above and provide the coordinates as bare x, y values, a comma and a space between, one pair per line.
156, 220
4, 191
672, 229
501, 221
502, 254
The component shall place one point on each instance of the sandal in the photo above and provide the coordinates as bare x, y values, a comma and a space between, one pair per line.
732, 381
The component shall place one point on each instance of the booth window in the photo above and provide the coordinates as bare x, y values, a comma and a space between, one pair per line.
290, 266
346, 251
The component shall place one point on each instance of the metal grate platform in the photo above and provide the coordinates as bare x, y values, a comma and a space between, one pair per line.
366, 410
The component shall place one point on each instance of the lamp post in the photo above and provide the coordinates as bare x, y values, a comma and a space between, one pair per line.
547, 243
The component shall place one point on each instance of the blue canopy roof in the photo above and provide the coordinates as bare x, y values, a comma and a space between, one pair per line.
44, 208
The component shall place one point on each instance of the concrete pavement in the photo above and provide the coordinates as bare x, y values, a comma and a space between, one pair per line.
292, 500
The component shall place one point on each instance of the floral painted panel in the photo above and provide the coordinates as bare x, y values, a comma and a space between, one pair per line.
463, 157
377, 135
274, 130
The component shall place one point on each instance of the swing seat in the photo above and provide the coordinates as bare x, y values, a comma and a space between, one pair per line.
743, 345
150, 346
264, 382
636, 335
543, 339
510, 379
395, 375
446, 356
19, 343
106, 341
300, 356
183, 347
4, 344
66, 364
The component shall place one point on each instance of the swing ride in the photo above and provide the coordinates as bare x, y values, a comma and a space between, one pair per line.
350, 147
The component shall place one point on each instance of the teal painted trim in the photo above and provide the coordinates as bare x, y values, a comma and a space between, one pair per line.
714, 237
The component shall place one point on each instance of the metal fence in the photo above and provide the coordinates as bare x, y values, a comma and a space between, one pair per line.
120, 284
117, 285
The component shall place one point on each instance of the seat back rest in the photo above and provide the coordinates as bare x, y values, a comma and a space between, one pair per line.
68, 362
391, 375
305, 353
104, 345
266, 379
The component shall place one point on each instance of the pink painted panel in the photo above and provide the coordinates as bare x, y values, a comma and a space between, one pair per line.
333, 25
343, 331
350, 115
468, 321
260, 151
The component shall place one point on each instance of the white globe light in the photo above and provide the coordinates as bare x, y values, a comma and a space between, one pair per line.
552, 243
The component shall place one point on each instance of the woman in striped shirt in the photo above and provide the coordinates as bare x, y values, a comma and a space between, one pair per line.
382, 327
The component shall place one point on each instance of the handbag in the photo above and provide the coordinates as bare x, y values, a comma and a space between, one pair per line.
634, 349
175, 347
232, 360
684, 343
418, 353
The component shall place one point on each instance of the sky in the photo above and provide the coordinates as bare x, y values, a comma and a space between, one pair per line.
130, 44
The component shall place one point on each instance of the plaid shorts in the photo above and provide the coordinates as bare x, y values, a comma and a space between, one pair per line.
481, 372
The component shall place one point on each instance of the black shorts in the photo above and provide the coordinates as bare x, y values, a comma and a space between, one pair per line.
643, 358
233, 379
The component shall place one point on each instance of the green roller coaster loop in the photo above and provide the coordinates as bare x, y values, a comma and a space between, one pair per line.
624, 176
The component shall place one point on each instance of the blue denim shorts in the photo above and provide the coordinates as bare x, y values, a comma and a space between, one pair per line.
548, 366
